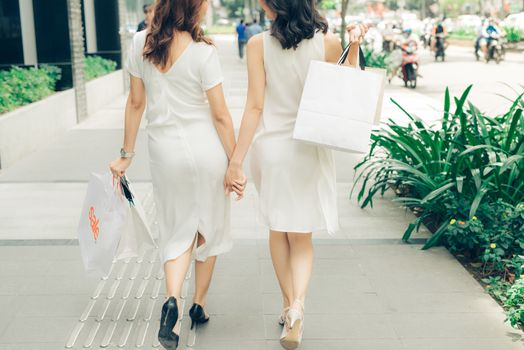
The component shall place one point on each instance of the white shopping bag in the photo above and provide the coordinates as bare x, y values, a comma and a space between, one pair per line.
101, 223
136, 233
339, 106
112, 224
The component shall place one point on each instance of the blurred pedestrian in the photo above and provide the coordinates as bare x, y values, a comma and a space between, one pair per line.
242, 38
148, 13
253, 29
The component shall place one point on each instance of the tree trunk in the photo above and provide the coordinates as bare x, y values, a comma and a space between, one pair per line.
76, 39
343, 12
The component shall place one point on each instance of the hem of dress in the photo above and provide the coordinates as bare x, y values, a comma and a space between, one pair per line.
222, 249
301, 231
263, 220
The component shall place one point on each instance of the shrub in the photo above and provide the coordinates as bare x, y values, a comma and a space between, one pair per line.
21, 86
464, 178
513, 34
464, 33
514, 304
96, 66
448, 171
375, 59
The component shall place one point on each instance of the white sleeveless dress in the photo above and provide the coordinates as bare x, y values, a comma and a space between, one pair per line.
296, 181
186, 158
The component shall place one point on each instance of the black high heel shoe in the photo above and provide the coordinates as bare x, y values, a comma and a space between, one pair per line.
197, 314
166, 336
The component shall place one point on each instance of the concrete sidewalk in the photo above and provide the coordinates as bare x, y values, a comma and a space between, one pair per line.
369, 290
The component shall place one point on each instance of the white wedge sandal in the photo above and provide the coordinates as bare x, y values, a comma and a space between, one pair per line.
291, 336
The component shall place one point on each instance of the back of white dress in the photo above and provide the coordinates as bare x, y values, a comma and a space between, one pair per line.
286, 72
296, 181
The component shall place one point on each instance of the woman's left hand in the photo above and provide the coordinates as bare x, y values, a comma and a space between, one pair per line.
235, 180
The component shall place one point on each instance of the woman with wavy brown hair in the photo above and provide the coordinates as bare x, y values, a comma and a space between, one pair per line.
296, 182
175, 68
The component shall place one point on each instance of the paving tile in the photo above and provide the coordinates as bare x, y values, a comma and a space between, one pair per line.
231, 345
331, 301
399, 301
230, 327
506, 343
50, 306
450, 325
248, 284
29, 329
23, 268
9, 310
32, 346
39, 253
43, 285
234, 303
437, 282
353, 344
337, 327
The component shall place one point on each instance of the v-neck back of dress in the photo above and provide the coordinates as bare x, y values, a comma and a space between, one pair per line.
175, 61
178, 94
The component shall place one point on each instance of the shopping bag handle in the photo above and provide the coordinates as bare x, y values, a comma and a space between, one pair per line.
361, 58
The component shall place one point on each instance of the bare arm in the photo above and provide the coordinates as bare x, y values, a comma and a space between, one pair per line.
253, 108
334, 49
255, 98
222, 118
136, 103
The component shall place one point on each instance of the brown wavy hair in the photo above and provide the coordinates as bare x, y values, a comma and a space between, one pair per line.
172, 16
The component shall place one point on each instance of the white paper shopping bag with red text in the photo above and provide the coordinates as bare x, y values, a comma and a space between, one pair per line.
101, 224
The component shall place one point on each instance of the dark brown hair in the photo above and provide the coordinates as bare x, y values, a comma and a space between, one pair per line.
171, 16
295, 21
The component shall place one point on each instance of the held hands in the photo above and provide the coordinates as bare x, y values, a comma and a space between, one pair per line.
356, 32
235, 180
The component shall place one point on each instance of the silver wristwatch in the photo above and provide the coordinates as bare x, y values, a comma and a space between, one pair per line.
125, 154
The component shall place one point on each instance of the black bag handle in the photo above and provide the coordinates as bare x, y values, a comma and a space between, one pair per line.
361, 58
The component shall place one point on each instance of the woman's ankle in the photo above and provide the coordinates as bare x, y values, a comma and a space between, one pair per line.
199, 301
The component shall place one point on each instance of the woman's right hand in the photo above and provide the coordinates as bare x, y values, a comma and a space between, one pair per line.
356, 32
119, 166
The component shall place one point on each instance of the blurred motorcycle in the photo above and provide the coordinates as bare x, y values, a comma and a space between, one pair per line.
388, 43
440, 46
426, 40
495, 48
410, 64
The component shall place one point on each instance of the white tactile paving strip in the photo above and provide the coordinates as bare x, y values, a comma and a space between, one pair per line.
124, 309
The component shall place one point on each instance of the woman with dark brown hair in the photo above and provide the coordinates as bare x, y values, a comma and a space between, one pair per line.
175, 68
296, 182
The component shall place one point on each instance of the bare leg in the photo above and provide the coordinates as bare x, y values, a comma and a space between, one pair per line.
279, 247
176, 271
301, 258
203, 275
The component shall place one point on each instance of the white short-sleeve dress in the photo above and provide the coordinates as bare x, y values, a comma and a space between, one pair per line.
186, 157
296, 181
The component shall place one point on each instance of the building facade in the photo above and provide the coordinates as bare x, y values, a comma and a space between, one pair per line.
34, 32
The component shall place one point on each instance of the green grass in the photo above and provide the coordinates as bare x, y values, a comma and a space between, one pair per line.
220, 30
